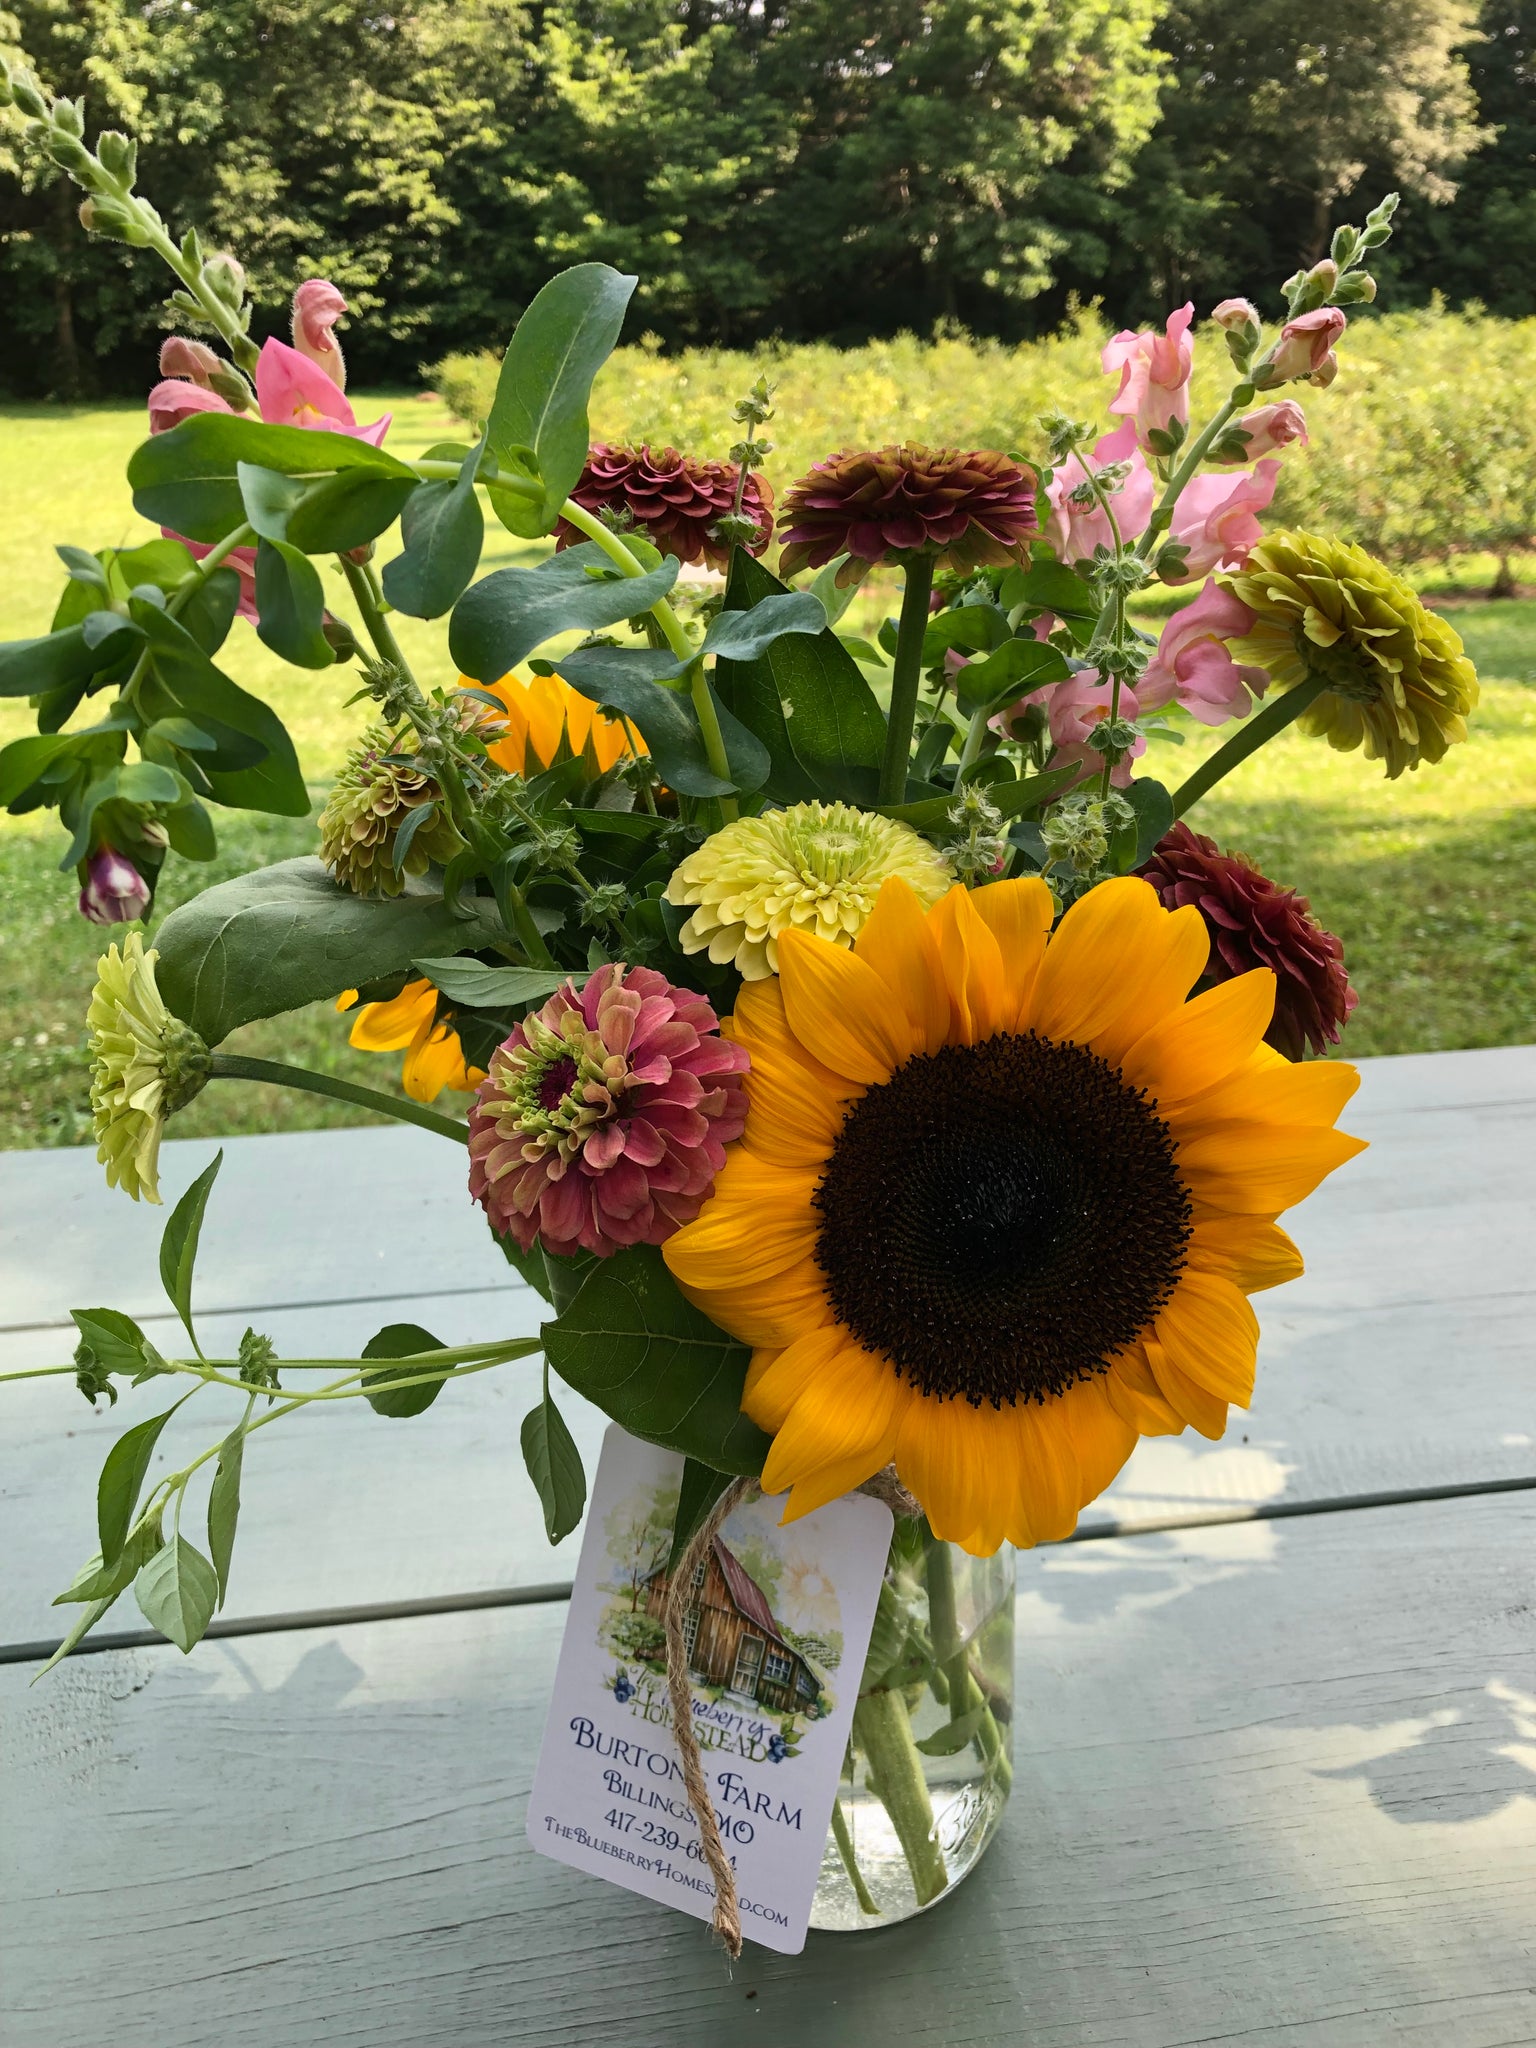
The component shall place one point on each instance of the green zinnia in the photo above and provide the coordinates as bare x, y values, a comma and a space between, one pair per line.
815, 866
145, 1065
375, 794
1397, 679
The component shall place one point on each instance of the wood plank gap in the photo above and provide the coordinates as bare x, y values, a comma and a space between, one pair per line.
556, 1590
275, 1308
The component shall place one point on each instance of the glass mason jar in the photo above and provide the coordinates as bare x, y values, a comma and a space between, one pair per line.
930, 1762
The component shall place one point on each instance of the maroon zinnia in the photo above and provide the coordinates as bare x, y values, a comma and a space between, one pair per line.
676, 501
875, 506
1253, 922
604, 1118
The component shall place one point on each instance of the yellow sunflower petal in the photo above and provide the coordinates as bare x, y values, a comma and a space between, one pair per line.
1101, 1436
973, 970
1052, 1489
898, 945
434, 1062
1251, 1251
1210, 1333
1204, 1040
1312, 1093
758, 1220
1117, 962
1201, 1409
773, 1308
1260, 1168
777, 1378
965, 1465
387, 1027
1133, 1393
795, 1104
839, 1432
1019, 915
841, 1010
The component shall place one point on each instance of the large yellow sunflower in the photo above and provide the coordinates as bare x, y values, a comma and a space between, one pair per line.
1001, 1199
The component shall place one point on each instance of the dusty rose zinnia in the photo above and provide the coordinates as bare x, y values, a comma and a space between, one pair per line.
604, 1118
877, 505
1253, 922
676, 501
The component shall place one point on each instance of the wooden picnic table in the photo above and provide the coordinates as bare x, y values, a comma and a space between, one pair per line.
1276, 1732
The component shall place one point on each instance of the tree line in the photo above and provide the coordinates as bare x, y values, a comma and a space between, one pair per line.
828, 169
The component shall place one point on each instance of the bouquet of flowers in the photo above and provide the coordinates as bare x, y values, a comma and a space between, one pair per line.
880, 1079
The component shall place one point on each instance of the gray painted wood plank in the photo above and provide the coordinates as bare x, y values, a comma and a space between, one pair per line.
1276, 1787
1403, 1358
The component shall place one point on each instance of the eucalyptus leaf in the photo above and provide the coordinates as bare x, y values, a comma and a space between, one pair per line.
283, 936
179, 1240
561, 342
554, 1466
400, 1340
28, 668
268, 497
632, 1344
177, 1592
347, 510
955, 1735
500, 620
479, 987
443, 529
188, 478
290, 605
122, 1477
1048, 586
743, 635
973, 628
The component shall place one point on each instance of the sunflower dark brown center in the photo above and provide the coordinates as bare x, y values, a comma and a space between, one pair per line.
1000, 1219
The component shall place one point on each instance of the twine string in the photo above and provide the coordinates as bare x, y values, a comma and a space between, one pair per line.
726, 1918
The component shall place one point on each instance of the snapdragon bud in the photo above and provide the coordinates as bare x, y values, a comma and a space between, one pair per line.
225, 278
26, 94
1358, 289
68, 117
181, 356
1317, 287
118, 155
118, 223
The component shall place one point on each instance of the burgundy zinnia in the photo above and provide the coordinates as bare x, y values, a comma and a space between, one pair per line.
875, 506
604, 1118
1253, 922
676, 501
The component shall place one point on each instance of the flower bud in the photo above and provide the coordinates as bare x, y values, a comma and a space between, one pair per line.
229, 385
1318, 286
118, 154
26, 94
70, 155
1262, 432
109, 217
1305, 344
1325, 372
114, 891
1345, 243
225, 278
68, 117
1233, 315
317, 306
1358, 289
180, 356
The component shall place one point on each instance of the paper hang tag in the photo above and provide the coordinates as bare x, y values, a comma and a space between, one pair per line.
778, 1629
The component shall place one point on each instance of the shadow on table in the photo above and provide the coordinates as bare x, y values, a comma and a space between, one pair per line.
1458, 1763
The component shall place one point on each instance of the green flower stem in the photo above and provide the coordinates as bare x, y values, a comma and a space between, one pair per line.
220, 316
714, 739
1162, 513
949, 1652
528, 933
193, 581
370, 602
446, 1367
906, 673
844, 1842
975, 733
230, 1066
883, 1730
1277, 714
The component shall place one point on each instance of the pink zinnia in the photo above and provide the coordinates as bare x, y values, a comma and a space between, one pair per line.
604, 1118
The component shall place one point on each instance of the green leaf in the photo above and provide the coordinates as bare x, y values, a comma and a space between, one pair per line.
1015, 668
1154, 816
479, 987
147, 782
104, 1582
290, 601
554, 1466
210, 611
558, 347
224, 1506
24, 760
834, 597
501, 619
188, 478
179, 1239
970, 627
400, 1340
122, 1477
348, 510
954, 1735
1047, 586
622, 677
1013, 799
189, 829
443, 529
268, 497
177, 1592
211, 700
529, 1266
82, 1628
806, 701
29, 667
700, 1488
286, 935
742, 636
630, 1342
116, 1342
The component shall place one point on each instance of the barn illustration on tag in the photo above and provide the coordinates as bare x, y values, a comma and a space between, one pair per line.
733, 1639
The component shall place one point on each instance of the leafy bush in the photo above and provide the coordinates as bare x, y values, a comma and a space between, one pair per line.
1426, 444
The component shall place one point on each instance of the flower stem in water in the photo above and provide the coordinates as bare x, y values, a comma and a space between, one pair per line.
882, 1729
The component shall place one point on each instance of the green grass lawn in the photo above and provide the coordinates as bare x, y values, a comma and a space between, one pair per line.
1430, 881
